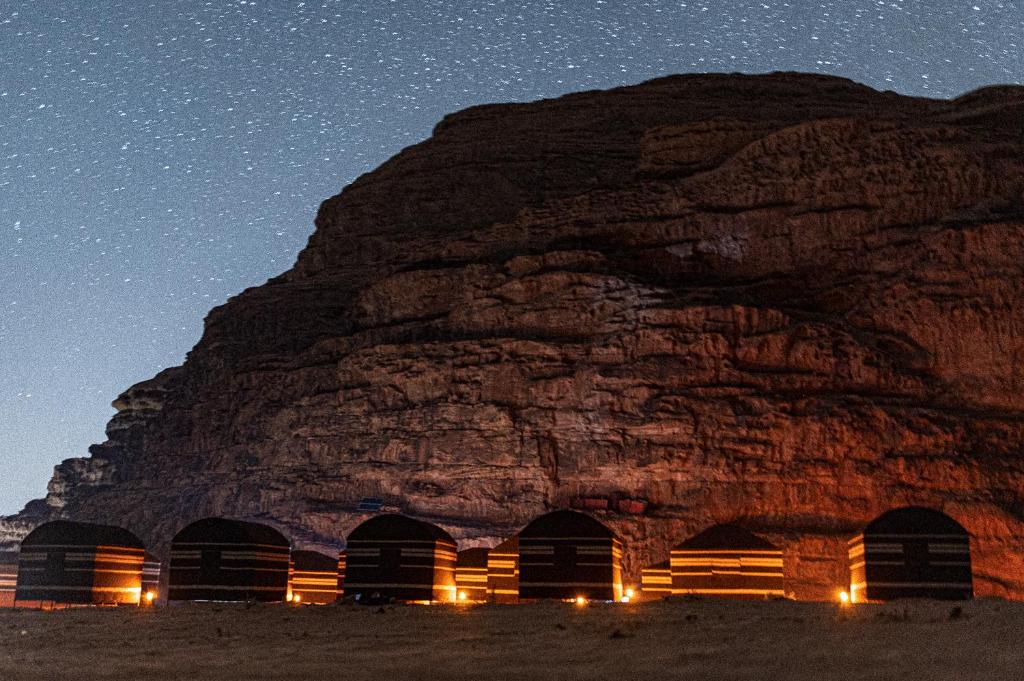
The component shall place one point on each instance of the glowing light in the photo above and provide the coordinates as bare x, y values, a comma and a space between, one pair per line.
150, 596
462, 595
580, 600
630, 593
289, 597
844, 597
624, 599
297, 598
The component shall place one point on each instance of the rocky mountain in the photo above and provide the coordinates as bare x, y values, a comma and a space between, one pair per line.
786, 301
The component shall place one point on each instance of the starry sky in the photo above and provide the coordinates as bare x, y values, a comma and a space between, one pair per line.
156, 158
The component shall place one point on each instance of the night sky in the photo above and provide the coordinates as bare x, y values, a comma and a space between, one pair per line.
156, 158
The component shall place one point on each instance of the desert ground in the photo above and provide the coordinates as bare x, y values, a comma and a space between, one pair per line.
688, 639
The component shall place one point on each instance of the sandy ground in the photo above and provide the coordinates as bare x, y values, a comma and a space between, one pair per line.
680, 639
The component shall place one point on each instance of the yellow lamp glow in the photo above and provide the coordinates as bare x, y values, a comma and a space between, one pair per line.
462, 595
624, 599
297, 598
630, 593
580, 600
844, 597
150, 596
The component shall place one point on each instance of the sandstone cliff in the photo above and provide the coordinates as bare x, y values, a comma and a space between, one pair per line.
787, 301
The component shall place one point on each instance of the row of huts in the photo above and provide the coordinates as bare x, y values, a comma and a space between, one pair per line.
566, 555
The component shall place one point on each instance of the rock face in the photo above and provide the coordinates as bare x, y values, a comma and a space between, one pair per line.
789, 302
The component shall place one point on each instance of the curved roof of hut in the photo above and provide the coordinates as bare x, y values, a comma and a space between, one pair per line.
914, 519
475, 557
567, 524
71, 533
228, 531
395, 526
725, 538
314, 561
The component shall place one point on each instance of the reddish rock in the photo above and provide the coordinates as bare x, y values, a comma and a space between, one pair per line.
784, 301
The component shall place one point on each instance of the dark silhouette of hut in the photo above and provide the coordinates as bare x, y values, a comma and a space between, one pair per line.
394, 557
217, 559
569, 555
656, 581
471, 575
727, 561
503, 572
8, 578
314, 577
65, 563
911, 553
150, 578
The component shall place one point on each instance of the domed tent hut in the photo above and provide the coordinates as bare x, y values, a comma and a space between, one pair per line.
64, 563
8, 577
395, 557
565, 555
911, 553
503, 572
314, 577
656, 581
471, 575
217, 559
727, 561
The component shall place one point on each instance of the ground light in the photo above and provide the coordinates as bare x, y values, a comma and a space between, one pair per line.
630, 593
150, 597
580, 600
844, 597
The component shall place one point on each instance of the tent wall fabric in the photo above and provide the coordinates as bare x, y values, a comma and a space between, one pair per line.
727, 561
503, 572
8, 578
395, 557
218, 559
314, 577
150, 577
471, 575
342, 563
64, 563
567, 555
656, 581
911, 552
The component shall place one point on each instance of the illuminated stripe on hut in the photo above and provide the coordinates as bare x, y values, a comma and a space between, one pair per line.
503, 572
217, 559
727, 561
314, 577
394, 557
566, 555
63, 563
656, 581
8, 578
911, 553
471, 575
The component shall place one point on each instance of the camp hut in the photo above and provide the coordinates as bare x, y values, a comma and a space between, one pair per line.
471, 575
342, 563
503, 572
64, 563
656, 581
217, 559
727, 561
314, 577
911, 553
394, 557
8, 578
569, 555
150, 578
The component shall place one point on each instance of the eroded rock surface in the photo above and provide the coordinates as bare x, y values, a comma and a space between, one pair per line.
787, 301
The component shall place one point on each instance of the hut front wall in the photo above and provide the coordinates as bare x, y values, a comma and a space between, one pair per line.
220, 571
342, 565
403, 570
8, 583
78, 575
888, 566
314, 586
739, 573
570, 567
656, 582
503, 572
